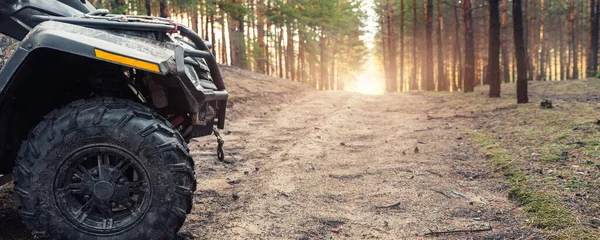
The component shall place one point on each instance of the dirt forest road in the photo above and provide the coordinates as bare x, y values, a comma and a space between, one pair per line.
339, 165
305, 164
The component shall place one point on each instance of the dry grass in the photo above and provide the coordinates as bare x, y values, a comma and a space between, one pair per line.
549, 157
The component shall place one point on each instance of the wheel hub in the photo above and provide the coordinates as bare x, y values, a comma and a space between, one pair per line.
102, 189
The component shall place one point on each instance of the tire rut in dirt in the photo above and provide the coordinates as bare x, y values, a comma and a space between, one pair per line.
146, 142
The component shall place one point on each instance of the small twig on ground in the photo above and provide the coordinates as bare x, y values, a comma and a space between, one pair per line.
229, 161
450, 193
429, 117
441, 192
353, 176
434, 173
422, 130
389, 206
432, 233
464, 116
480, 175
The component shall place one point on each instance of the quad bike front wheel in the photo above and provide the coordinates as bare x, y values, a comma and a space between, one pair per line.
104, 168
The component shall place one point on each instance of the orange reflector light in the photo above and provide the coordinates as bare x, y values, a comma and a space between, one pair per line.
127, 61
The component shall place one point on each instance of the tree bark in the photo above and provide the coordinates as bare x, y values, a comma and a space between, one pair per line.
493, 69
280, 51
592, 68
194, 13
533, 48
414, 84
573, 39
401, 45
206, 22
561, 49
223, 37
213, 34
504, 44
469, 71
385, 38
268, 39
323, 61
457, 48
148, 6
427, 61
542, 63
520, 53
392, 71
442, 81
301, 66
237, 43
289, 61
164, 12
260, 32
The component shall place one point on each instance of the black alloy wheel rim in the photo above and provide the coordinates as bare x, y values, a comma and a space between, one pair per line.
102, 189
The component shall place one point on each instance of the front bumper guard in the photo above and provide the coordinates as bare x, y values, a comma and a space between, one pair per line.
221, 95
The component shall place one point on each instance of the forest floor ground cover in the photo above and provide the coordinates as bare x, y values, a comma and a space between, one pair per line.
305, 164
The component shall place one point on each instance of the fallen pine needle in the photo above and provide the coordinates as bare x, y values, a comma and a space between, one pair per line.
432, 233
389, 206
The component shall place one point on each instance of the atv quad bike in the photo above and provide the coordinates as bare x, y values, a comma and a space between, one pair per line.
95, 113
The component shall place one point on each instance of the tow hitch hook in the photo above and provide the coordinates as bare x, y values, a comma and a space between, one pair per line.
220, 142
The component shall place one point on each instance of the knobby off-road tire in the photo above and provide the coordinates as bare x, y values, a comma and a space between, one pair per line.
104, 168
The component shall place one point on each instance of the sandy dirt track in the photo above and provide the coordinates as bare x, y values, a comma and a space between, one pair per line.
331, 165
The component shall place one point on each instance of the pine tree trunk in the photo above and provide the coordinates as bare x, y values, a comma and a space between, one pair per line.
542, 55
213, 34
592, 68
493, 69
401, 45
199, 20
194, 13
504, 43
260, 32
385, 38
280, 51
392, 71
427, 61
457, 48
469, 71
556, 65
332, 85
533, 50
561, 48
223, 37
414, 85
301, 67
235, 23
289, 61
148, 6
573, 39
442, 81
207, 30
267, 42
520, 53
164, 12
527, 39
323, 61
